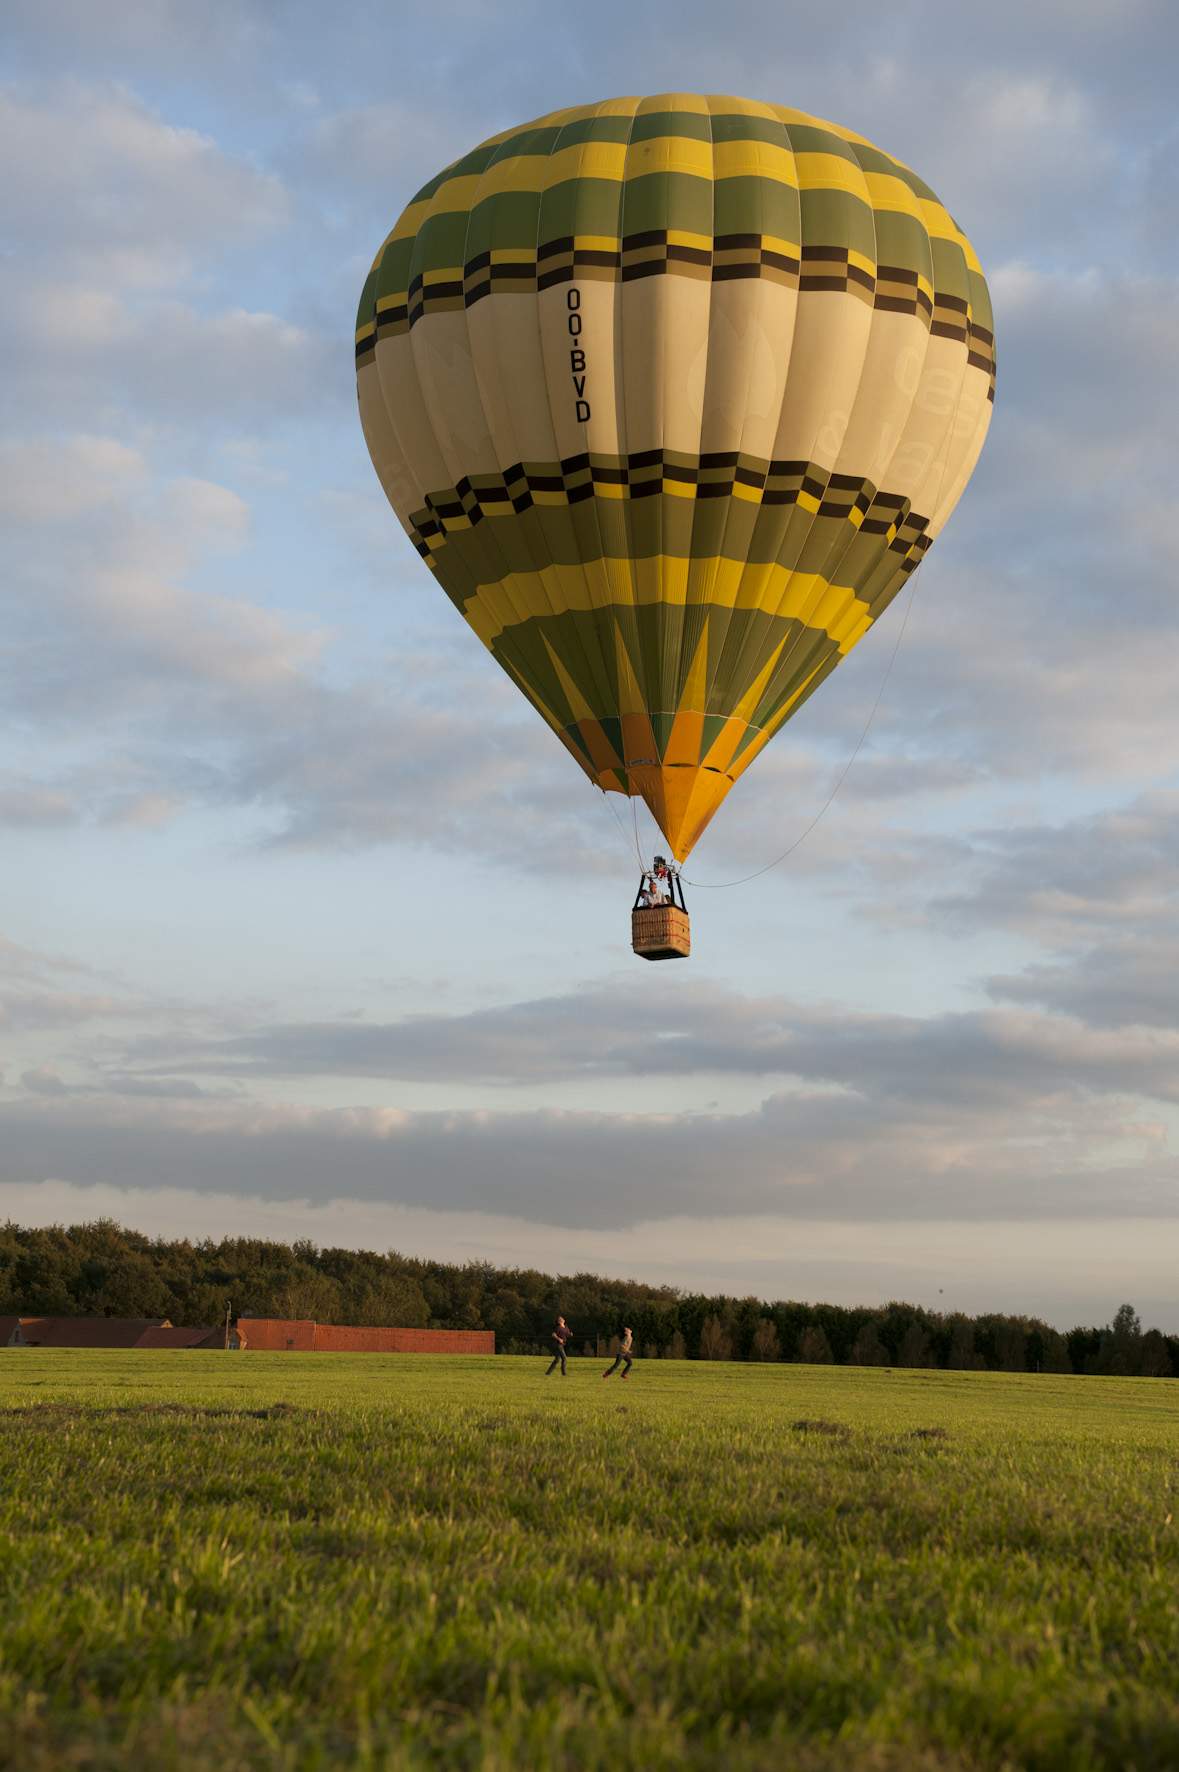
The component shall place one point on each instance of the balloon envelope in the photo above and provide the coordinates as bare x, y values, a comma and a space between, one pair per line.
672, 394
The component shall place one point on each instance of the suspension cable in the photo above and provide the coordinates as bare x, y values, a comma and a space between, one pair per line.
634, 819
622, 830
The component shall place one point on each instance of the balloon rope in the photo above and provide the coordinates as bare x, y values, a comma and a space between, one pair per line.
616, 816
722, 885
634, 819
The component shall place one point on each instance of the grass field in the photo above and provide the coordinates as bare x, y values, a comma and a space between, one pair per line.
211, 1562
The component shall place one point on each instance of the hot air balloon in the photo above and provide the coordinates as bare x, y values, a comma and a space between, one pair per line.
672, 395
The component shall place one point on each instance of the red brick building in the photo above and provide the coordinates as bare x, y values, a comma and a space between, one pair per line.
302, 1335
168, 1336
106, 1332
274, 1334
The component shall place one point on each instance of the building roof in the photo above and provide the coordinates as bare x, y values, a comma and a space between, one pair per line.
167, 1336
88, 1331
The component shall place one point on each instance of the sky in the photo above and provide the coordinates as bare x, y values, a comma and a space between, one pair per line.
309, 927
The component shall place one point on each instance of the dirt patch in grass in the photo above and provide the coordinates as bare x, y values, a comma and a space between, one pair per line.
834, 1430
56, 1414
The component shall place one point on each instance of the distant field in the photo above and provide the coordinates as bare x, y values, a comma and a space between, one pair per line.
211, 1562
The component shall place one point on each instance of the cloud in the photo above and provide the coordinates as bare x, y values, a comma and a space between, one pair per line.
996, 1112
28, 805
171, 362
353, 149
990, 127
104, 616
121, 289
43, 1081
984, 1060
42, 992
1093, 446
226, 38
1098, 874
54, 479
806, 1157
24, 1011
204, 697
1123, 984
134, 199
207, 698
21, 962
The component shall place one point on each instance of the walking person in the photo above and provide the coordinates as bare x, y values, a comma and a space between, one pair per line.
623, 1353
559, 1337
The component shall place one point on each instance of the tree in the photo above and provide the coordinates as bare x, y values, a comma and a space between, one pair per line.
1010, 1344
1155, 1361
715, 1341
1121, 1344
103, 1268
392, 1301
962, 1355
814, 1349
115, 1274
507, 1313
307, 1294
1083, 1348
867, 1348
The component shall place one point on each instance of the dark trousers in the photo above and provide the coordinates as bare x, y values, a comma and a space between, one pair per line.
618, 1362
558, 1356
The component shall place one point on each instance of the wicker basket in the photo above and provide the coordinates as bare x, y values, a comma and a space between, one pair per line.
661, 932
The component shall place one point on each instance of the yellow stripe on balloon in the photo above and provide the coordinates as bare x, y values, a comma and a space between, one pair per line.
753, 159
830, 172
797, 596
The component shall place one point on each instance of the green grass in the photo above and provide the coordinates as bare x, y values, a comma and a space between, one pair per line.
211, 1562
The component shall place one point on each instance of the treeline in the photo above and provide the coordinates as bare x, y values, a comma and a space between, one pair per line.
102, 1269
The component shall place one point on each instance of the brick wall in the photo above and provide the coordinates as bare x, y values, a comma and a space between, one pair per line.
277, 1334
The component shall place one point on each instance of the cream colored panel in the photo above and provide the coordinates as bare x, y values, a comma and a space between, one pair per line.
918, 470
409, 414
970, 432
511, 375
442, 353
830, 340
388, 458
578, 326
579, 318
883, 408
750, 335
664, 361
579, 332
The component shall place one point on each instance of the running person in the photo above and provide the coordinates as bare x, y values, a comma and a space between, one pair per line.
624, 1353
559, 1337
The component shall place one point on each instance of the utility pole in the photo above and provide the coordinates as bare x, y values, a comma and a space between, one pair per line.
228, 1314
